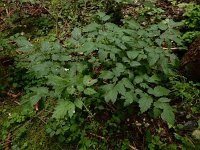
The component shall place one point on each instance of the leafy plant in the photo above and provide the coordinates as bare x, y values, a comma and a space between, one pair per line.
191, 22
190, 36
191, 14
95, 85
104, 61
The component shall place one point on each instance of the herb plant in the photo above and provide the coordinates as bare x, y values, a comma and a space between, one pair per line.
105, 63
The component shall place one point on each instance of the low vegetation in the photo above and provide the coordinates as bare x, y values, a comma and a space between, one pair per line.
98, 75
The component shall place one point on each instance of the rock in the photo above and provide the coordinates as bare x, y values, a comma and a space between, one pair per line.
190, 63
190, 125
196, 134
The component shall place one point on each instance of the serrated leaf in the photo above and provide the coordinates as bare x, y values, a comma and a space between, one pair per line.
120, 88
57, 81
120, 68
106, 75
160, 105
80, 88
133, 24
64, 58
45, 67
111, 95
164, 99
144, 85
159, 41
127, 83
153, 79
125, 59
91, 27
87, 47
71, 109
135, 64
112, 27
130, 97
105, 18
62, 108
168, 115
102, 55
78, 103
71, 90
24, 44
162, 26
88, 81
153, 58
138, 79
89, 91
156, 112
107, 87
145, 103
159, 91
45, 46
101, 14
132, 54
40, 90
55, 57
56, 46
34, 99
76, 33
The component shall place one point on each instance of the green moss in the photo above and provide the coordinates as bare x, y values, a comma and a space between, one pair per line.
27, 131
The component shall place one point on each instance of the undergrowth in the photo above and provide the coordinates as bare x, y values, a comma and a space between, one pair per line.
97, 80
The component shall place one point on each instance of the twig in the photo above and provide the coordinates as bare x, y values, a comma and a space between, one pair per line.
8, 141
42, 120
173, 48
101, 137
132, 148
57, 26
17, 103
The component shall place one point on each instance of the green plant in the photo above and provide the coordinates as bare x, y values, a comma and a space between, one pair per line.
101, 64
6, 61
188, 94
188, 91
101, 57
191, 22
192, 15
102, 83
150, 12
190, 36
14, 119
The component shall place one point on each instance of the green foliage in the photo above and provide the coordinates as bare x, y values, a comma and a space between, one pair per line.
14, 119
126, 56
150, 11
102, 83
190, 36
6, 60
192, 14
188, 92
101, 63
191, 21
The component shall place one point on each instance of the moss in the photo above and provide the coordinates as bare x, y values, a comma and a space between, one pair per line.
27, 133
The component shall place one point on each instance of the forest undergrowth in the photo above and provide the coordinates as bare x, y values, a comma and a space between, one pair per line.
108, 74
